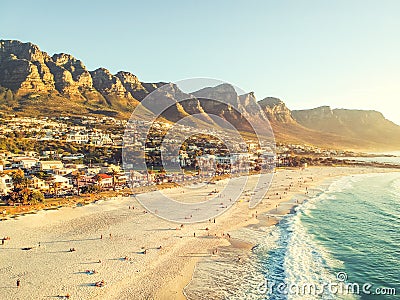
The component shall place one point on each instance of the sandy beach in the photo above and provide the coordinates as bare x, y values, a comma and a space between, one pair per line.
62, 252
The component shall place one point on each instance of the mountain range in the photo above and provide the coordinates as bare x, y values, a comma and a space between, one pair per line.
34, 83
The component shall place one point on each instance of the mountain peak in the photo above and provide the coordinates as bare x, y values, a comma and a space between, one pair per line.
270, 102
64, 58
21, 50
224, 88
276, 110
31, 80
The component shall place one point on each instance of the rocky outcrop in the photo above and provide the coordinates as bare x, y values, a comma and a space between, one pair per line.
21, 76
33, 81
225, 93
108, 84
113, 90
132, 84
64, 82
27, 51
276, 110
23, 68
366, 125
71, 76
77, 69
224, 102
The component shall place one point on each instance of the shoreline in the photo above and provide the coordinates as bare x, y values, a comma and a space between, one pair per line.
162, 273
20, 210
263, 221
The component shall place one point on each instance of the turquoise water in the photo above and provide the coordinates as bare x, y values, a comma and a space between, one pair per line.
346, 235
352, 228
360, 226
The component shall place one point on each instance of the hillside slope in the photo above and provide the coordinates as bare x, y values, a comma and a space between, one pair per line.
33, 83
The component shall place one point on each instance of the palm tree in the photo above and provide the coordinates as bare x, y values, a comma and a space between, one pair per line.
56, 186
77, 176
18, 178
24, 196
98, 180
26, 182
114, 174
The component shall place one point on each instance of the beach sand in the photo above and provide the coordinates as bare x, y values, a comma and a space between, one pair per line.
123, 244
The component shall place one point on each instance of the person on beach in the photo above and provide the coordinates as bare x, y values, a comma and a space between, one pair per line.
2, 241
18, 283
194, 234
101, 236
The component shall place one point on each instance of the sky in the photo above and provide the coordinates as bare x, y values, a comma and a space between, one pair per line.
342, 53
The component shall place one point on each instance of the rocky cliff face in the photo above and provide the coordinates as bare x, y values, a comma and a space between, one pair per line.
108, 84
70, 75
132, 84
24, 69
359, 124
223, 101
276, 110
31, 81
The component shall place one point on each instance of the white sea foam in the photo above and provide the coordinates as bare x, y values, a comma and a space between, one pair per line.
395, 187
305, 261
286, 253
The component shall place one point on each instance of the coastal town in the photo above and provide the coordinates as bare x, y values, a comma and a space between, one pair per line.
44, 158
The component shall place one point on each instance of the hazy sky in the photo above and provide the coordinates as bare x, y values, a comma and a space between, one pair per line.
345, 54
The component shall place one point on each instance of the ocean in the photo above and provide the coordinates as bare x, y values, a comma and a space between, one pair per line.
343, 242
394, 159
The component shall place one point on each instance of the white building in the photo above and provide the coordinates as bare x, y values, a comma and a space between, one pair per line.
38, 184
50, 165
99, 138
6, 184
24, 162
77, 137
65, 183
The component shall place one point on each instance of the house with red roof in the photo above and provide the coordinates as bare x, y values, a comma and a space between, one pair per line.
104, 180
